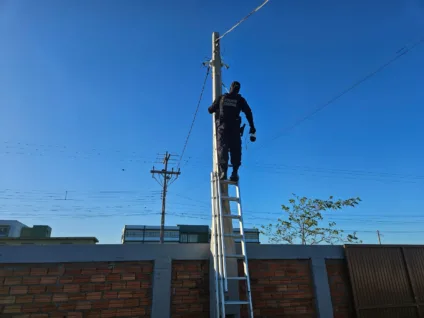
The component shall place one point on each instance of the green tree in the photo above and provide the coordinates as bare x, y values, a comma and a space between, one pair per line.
303, 223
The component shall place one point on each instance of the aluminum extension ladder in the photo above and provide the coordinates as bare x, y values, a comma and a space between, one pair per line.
219, 249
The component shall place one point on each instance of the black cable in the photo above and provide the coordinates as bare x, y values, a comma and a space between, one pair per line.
194, 117
338, 96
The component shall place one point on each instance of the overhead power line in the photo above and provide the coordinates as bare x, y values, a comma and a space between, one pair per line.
194, 117
399, 54
242, 20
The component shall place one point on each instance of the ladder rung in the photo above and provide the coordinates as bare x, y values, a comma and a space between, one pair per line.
237, 278
239, 236
228, 182
231, 216
235, 199
235, 255
236, 302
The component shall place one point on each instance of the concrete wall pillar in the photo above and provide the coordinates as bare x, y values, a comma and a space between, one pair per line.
162, 279
324, 305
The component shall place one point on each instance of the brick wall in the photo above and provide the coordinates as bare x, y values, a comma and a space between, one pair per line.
280, 288
341, 294
190, 289
76, 290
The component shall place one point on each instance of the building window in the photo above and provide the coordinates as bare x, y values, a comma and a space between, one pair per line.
189, 238
150, 233
133, 233
4, 230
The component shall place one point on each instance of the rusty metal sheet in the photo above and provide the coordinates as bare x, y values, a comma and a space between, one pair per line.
380, 281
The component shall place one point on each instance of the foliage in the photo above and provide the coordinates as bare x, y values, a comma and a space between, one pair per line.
303, 223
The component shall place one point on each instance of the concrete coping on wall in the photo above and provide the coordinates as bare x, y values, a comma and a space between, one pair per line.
147, 252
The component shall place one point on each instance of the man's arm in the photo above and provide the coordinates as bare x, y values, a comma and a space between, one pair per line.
245, 108
215, 106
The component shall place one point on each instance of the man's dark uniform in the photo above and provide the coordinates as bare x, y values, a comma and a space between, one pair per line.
227, 110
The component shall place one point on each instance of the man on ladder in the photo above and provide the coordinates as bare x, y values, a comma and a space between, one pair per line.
227, 108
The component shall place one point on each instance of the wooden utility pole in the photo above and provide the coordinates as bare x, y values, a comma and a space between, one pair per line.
379, 238
165, 179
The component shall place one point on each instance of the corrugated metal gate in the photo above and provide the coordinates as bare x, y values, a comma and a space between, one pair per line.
387, 280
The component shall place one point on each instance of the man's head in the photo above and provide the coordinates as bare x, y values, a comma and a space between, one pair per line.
235, 87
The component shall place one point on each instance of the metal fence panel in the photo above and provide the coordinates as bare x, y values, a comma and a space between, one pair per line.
380, 281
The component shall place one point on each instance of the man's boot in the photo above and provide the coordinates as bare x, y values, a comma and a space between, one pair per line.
222, 172
234, 175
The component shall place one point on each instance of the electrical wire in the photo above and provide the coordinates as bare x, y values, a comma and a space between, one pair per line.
242, 20
194, 117
399, 54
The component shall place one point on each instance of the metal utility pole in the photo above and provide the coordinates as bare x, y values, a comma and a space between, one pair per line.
379, 239
167, 177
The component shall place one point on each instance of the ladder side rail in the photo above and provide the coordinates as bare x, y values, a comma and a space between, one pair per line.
215, 245
221, 234
221, 259
244, 252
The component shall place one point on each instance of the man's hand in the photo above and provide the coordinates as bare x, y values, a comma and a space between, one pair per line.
252, 130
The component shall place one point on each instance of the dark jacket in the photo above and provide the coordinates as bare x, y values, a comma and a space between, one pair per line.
227, 110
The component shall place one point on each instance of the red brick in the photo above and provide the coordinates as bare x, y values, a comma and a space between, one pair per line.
102, 304
31, 280
89, 271
7, 300
76, 296
102, 287
110, 295
36, 289
48, 280
4, 290
93, 295
98, 278
6, 272
83, 305
118, 285
30, 308
24, 299
71, 288
21, 271
66, 306
12, 281
113, 277
12, 309
38, 271
116, 303
60, 297
128, 276
42, 298
18, 290
81, 279
123, 312
133, 285
74, 315
110, 313
39, 316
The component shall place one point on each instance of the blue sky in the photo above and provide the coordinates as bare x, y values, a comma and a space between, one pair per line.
91, 92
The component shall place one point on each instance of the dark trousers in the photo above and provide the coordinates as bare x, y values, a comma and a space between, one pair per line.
229, 140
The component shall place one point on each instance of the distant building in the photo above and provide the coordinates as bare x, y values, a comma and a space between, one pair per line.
37, 231
177, 234
13, 232
11, 228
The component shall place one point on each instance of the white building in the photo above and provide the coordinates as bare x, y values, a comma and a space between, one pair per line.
11, 228
178, 234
